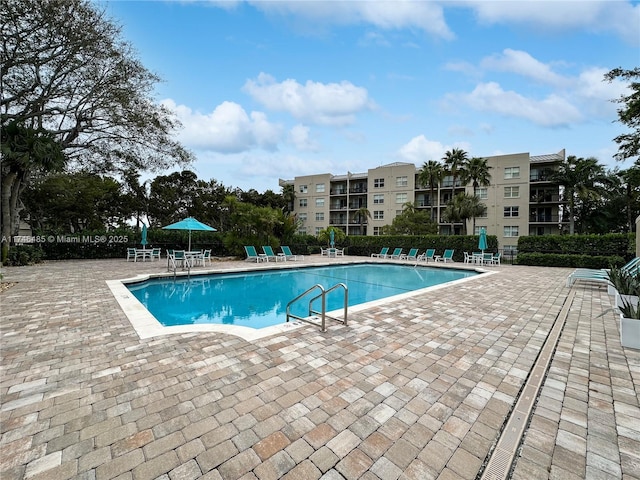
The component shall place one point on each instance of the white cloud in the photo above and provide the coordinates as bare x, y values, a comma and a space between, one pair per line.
333, 104
300, 138
420, 149
228, 129
552, 111
395, 15
521, 63
618, 17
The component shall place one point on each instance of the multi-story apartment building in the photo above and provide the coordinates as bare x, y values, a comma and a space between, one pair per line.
520, 199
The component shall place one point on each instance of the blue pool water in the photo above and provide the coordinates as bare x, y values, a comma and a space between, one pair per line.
259, 299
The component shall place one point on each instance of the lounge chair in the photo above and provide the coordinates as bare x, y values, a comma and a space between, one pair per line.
252, 255
447, 256
412, 255
268, 251
396, 254
382, 254
601, 275
286, 251
426, 256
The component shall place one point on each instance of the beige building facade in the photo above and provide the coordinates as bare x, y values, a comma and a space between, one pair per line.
520, 199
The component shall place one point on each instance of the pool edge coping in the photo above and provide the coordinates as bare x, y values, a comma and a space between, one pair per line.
147, 326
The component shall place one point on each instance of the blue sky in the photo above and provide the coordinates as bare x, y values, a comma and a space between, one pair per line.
269, 90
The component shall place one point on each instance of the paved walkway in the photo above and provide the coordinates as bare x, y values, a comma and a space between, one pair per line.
418, 389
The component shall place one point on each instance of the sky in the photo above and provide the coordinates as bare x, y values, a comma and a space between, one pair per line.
270, 90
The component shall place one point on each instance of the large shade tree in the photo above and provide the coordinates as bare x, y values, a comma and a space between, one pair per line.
583, 180
628, 113
66, 73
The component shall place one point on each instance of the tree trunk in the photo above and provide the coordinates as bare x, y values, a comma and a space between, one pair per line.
10, 184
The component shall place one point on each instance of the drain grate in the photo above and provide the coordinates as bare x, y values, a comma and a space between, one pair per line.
499, 464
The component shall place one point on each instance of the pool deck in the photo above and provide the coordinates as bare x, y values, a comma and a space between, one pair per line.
439, 385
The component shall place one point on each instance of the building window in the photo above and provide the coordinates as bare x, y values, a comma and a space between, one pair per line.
303, 202
303, 189
511, 172
378, 214
318, 230
482, 193
378, 183
476, 231
401, 198
378, 199
402, 181
510, 250
511, 211
511, 192
302, 217
511, 231
319, 187
319, 216
302, 230
377, 231
319, 202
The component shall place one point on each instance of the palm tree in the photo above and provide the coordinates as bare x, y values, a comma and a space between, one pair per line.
477, 173
289, 196
361, 215
462, 207
454, 161
582, 179
431, 175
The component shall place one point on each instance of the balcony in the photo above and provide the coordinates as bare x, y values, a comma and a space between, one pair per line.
544, 218
544, 198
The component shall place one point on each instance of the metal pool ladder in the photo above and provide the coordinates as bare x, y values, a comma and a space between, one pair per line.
323, 313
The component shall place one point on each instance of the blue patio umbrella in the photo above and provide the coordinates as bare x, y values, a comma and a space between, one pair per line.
143, 240
190, 224
332, 238
482, 242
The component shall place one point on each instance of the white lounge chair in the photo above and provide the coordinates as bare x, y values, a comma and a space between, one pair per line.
382, 254
426, 256
268, 251
286, 251
252, 255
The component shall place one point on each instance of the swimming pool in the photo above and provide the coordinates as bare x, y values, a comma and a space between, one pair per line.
259, 299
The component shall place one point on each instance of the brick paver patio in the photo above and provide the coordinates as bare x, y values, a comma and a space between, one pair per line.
413, 389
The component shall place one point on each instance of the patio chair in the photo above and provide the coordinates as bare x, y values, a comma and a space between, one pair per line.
447, 256
412, 255
206, 257
252, 255
156, 253
179, 257
286, 251
382, 254
268, 251
131, 254
495, 259
396, 253
426, 256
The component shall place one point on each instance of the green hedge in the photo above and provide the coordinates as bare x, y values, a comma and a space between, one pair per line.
622, 244
573, 261
576, 251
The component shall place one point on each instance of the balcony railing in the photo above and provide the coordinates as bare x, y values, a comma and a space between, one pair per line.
542, 218
544, 198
